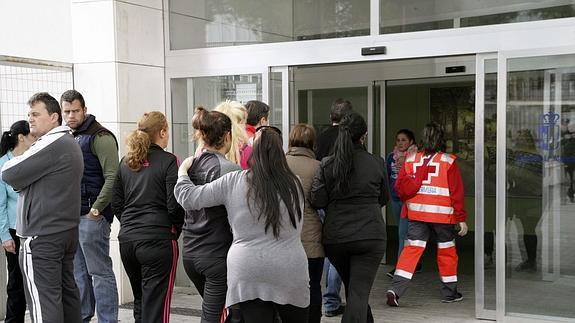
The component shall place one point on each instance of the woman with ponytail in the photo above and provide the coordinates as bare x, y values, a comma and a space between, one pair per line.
350, 186
267, 272
207, 233
150, 218
14, 142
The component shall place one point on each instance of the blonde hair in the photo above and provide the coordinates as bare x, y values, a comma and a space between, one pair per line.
139, 140
237, 113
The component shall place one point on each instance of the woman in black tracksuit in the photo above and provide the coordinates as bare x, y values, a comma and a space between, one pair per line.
150, 218
350, 185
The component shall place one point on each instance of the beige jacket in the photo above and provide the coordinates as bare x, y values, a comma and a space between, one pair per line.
303, 163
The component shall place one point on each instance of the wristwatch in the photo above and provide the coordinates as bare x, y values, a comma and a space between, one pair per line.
94, 212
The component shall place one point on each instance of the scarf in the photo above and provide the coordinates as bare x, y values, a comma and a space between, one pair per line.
400, 156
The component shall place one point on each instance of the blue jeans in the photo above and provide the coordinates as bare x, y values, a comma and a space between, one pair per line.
401, 224
331, 298
93, 271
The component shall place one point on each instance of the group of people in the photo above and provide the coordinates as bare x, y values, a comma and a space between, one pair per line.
258, 224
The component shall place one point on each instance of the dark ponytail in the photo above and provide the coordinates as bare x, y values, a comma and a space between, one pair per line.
212, 127
10, 138
351, 128
433, 139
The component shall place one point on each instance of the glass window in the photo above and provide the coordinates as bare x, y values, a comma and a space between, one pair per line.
276, 95
416, 15
188, 93
19, 83
202, 23
540, 167
489, 179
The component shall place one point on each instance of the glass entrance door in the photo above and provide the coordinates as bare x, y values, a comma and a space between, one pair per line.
312, 106
535, 189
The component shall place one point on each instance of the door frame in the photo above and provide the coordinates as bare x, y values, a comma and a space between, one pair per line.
480, 311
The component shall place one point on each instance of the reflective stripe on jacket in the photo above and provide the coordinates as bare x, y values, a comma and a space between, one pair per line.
433, 201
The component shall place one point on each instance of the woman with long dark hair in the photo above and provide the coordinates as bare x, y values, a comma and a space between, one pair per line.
150, 218
207, 233
14, 142
350, 186
267, 265
301, 160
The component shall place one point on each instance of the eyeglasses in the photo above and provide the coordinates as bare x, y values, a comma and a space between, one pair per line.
277, 130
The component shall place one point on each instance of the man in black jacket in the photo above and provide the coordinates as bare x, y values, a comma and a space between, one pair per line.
93, 270
326, 139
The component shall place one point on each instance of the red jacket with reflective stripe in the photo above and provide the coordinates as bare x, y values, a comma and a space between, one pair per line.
432, 192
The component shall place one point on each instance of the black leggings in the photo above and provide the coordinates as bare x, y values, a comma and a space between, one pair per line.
151, 268
16, 301
258, 311
209, 277
357, 263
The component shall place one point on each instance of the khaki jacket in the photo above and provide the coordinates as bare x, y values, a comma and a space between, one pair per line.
303, 163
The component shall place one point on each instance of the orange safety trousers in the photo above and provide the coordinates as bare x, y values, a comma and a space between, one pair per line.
417, 237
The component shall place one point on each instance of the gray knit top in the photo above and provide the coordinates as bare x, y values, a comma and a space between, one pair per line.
259, 265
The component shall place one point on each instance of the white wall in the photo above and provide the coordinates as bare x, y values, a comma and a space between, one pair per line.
119, 68
36, 29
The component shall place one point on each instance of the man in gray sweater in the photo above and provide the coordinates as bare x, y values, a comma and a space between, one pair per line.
47, 177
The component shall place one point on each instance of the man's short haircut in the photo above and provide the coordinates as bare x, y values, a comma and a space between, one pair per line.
256, 111
52, 105
71, 95
339, 108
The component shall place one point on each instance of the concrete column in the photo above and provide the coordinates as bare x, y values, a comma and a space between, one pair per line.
118, 51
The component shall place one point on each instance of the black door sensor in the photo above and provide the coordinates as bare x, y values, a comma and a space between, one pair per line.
373, 50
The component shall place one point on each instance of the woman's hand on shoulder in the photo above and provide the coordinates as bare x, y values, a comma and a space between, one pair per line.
185, 166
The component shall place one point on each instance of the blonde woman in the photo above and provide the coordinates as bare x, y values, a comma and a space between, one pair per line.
150, 218
238, 114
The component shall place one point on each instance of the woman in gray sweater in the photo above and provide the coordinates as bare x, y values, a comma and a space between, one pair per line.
267, 265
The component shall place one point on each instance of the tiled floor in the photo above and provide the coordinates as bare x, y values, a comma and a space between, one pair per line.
421, 304
552, 292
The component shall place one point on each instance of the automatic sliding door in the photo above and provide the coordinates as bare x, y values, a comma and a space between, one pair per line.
536, 156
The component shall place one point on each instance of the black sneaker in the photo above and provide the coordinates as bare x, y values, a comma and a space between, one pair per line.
392, 299
336, 312
418, 268
452, 299
391, 273
527, 266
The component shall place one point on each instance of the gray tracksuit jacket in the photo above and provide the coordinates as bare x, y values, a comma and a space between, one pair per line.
47, 177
